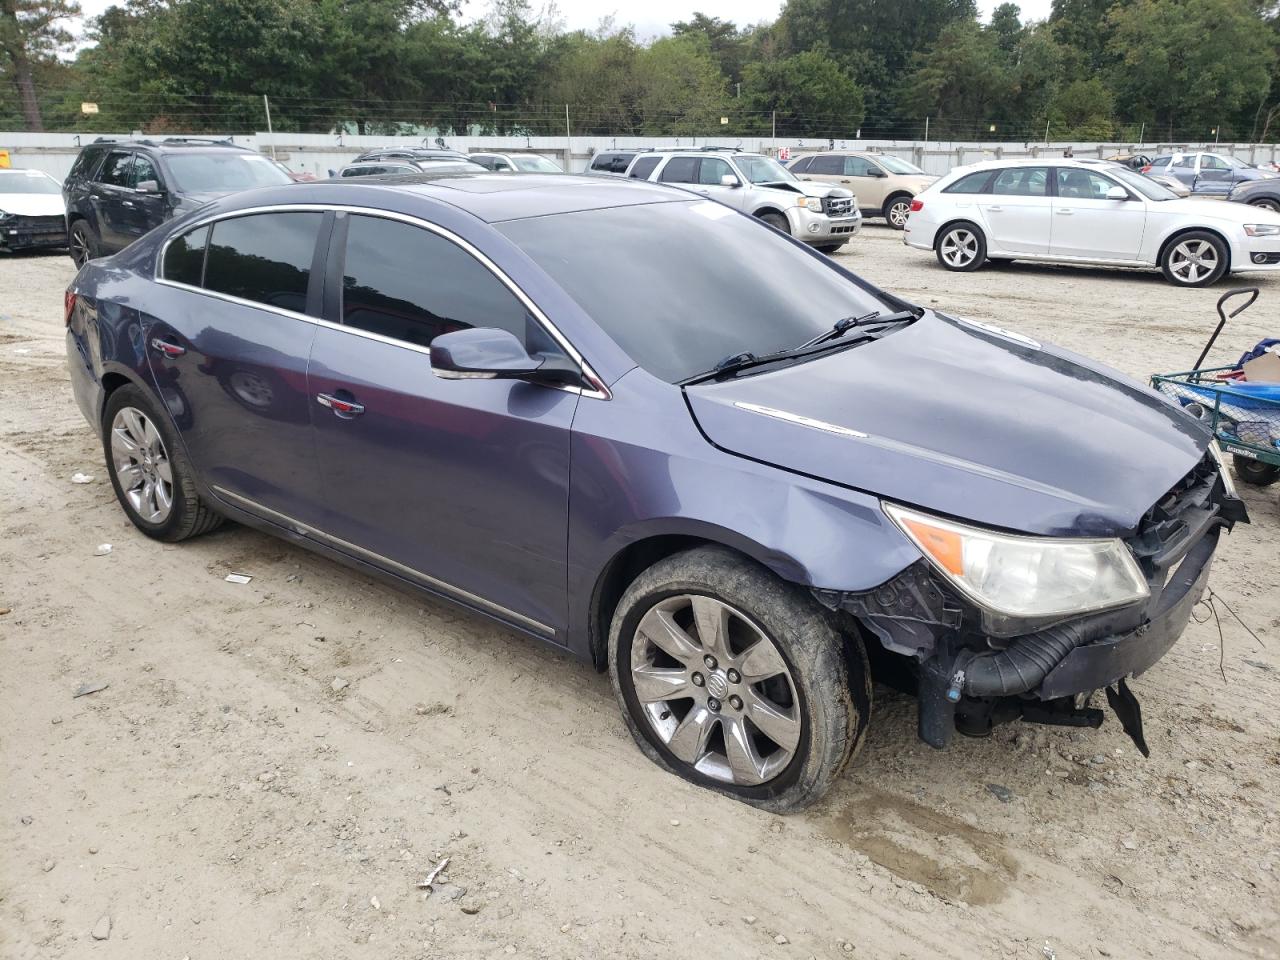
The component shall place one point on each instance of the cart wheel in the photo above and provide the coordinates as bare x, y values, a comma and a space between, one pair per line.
1251, 471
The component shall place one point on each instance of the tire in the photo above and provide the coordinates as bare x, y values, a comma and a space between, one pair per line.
814, 695
776, 220
829, 248
1266, 204
131, 415
1253, 472
1194, 259
961, 247
81, 244
896, 210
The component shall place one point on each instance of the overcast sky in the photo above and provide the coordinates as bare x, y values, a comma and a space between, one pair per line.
652, 17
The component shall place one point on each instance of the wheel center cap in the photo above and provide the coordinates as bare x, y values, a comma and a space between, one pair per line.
717, 684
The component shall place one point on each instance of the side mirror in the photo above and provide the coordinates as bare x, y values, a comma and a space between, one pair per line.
1117, 193
147, 186
729, 180
486, 353
877, 172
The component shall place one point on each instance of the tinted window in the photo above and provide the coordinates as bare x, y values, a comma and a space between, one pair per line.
265, 257
86, 162
859, 167
831, 166
973, 183
801, 165
712, 169
486, 162
1022, 182
409, 284
115, 171
602, 161
680, 170
680, 306
184, 258
143, 170
644, 167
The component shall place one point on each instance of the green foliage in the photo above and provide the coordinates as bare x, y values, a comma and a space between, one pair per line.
809, 92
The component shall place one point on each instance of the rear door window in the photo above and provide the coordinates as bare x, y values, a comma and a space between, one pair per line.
680, 170
644, 167
184, 258
827, 165
409, 284
115, 171
264, 257
1022, 182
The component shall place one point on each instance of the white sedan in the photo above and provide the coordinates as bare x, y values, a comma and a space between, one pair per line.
32, 214
1077, 211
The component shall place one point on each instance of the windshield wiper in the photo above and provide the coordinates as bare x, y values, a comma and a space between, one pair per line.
844, 325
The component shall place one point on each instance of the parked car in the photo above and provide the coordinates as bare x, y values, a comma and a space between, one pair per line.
32, 214
515, 162
1073, 211
613, 162
1134, 161
665, 439
822, 216
297, 176
1257, 193
884, 185
1211, 174
412, 153
1172, 184
385, 168
119, 190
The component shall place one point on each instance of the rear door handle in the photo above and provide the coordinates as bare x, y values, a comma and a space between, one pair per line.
995, 209
168, 349
343, 408
127, 203
1064, 211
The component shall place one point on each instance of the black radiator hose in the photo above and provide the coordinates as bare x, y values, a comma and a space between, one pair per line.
1027, 661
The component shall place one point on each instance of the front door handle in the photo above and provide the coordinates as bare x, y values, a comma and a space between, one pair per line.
343, 408
170, 350
1063, 211
995, 209
844, 181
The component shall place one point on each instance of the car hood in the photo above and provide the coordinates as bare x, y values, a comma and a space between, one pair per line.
33, 204
810, 188
1201, 208
964, 420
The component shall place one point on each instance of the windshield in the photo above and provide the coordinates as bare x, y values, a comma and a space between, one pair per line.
28, 181
223, 172
898, 165
535, 165
681, 286
1144, 185
763, 170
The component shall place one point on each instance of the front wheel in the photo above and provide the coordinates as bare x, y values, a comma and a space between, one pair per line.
896, 211
1194, 259
962, 247
1254, 472
777, 221
829, 248
736, 680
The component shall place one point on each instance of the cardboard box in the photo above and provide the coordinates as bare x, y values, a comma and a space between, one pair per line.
1264, 369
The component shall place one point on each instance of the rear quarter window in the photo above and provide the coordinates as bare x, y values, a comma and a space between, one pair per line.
972, 183
86, 162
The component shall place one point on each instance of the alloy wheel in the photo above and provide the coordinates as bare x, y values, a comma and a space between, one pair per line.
899, 212
79, 242
1193, 260
142, 465
1267, 205
715, 689
959, 248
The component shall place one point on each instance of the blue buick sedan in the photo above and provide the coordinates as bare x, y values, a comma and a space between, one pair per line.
664, 437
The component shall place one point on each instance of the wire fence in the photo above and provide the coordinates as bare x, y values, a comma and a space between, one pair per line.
81, 111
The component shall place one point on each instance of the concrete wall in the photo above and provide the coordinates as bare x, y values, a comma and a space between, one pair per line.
320, 153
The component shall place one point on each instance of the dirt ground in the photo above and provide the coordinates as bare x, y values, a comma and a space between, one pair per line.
220, 798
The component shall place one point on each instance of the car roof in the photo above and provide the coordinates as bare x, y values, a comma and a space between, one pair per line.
174, 144
491, 197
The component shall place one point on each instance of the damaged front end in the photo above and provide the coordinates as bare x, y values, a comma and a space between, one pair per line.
975, 667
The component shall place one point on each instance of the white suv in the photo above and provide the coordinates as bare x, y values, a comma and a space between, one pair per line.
820, 215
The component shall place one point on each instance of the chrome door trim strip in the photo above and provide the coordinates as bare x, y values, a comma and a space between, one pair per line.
599, 391
440, 586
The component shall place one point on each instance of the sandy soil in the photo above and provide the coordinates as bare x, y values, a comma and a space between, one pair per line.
220, 799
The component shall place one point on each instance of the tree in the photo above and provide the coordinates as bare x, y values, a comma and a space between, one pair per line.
961, 82
728, 45
31, 33
810, 93
678, 87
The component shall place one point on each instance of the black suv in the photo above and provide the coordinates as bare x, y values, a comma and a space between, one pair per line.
119, 190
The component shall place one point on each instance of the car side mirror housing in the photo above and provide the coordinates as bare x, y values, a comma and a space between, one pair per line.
147, 186
487, 353
1117, 193
729, 180
875, 172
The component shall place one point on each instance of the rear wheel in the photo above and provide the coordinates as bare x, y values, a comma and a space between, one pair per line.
81, 244
962, 247
150, 473
736, 680
775, 220
1194, 259
1254, 472
896, 211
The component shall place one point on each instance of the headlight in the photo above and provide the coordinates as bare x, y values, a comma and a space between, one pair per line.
812, 203
1262, 229
1025, 578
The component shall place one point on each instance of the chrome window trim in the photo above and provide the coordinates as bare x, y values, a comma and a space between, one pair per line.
598, 391
424, 579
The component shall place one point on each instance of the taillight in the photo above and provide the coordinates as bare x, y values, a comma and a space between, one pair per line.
917, 206
68, 305
1146, 168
